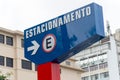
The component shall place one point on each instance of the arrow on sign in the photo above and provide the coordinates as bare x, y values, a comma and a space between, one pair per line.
34, 47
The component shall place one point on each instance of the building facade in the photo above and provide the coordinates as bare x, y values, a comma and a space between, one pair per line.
101, 61
12, 59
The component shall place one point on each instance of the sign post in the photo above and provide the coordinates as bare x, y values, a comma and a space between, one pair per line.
49, 71
50, 43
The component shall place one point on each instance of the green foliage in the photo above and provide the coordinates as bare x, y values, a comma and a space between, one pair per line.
3, 77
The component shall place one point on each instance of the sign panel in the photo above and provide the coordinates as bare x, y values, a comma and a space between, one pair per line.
62, 37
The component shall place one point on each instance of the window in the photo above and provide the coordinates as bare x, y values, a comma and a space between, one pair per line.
67, 62
35, 67
26, 65
94, 77
104, 75
102, 56
103, 65
86, 69
22, 43
1, 38
83, 62
9, 62
85, 78
9, 40
105, 39
93, 68
2, 60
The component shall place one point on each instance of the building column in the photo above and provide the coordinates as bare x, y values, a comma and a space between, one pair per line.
113, 60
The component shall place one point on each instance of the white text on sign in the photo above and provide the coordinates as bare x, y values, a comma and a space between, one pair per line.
59, 21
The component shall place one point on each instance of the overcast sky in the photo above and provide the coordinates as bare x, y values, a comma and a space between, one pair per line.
22, 14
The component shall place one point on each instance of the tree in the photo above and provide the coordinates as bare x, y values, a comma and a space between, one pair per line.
4, 76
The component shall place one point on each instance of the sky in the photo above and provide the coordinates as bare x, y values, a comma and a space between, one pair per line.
23, 14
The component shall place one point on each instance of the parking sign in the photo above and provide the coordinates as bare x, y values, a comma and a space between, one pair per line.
64, 36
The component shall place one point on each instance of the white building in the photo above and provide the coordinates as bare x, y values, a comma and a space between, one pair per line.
101, 61
12, 59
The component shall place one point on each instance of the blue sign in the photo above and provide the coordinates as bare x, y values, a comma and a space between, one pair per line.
62, 37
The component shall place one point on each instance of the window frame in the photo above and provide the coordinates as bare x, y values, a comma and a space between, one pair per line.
2, 41
26, 64
9, 62
2, 63
22, 43
9, 40
68, 63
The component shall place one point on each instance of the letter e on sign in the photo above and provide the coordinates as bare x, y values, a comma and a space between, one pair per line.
49, 43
